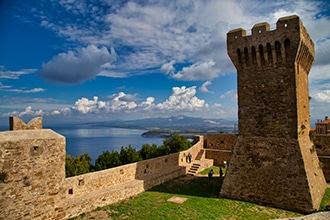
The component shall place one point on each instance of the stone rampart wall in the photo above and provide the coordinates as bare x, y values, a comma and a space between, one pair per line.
220, 141
36, 187
89, 191
219, 147
219, 156
322, 144
325, 164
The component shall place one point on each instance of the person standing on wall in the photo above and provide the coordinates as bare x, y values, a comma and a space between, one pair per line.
189, 157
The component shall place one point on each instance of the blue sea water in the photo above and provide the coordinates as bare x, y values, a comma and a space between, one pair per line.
94, 141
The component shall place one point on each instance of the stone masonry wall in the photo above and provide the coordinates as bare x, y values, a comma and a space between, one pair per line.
34, 161
89, 191
322, 146
219, 147
36, 187
286, 175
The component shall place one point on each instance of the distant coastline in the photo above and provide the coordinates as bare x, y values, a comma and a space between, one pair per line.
165, 127
167, 134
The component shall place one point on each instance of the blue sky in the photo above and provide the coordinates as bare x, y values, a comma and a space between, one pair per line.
87, 60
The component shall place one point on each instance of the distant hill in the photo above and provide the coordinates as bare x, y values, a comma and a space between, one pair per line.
175, 124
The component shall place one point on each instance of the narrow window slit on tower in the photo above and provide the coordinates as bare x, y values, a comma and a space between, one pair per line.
254, 55
261, 53
287, 48
278, 51
269, 53
239, 55
246, 56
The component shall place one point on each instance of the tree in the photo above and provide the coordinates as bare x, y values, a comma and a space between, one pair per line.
107, 160
82, 164
148, 151
79, 165
129, 155
175, 143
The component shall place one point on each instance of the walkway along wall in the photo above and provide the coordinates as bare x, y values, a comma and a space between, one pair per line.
36, 187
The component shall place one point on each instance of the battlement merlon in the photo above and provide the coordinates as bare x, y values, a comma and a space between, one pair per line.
260, 28
293, 22
271, 47
16, 123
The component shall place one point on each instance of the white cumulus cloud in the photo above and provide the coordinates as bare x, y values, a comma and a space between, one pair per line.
182, 98
198, 71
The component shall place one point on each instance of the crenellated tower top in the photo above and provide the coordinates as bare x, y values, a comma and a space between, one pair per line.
288, 43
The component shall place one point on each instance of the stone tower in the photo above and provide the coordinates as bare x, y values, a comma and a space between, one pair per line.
34, 159
274, 162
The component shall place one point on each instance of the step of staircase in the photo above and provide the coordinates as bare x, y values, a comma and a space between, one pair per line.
193, 169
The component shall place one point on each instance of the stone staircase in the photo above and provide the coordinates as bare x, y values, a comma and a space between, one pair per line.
194, 168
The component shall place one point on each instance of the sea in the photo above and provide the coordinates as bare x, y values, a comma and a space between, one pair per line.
91, 140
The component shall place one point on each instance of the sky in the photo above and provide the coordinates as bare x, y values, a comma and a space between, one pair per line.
101, 60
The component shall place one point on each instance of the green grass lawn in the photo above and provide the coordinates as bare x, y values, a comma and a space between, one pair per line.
203, 202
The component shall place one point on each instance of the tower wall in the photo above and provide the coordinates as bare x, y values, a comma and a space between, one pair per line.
34, 160
272, 161
271, 72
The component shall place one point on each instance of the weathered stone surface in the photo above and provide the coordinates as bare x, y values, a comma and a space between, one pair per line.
17, 124
219, 147
36, 187
273, 162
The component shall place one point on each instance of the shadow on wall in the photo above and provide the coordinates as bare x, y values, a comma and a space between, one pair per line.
158, 170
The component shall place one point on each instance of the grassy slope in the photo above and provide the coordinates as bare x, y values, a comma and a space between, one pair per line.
202, 202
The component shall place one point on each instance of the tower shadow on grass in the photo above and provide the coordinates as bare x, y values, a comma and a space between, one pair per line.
192, 185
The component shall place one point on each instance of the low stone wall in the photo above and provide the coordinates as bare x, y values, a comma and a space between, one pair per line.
218, 147
89, 191
325, 164
36, 187
322, 146
218, 156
